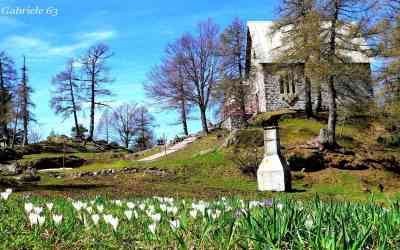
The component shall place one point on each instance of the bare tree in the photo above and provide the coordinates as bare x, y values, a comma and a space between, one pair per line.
95, 68
145, 123
65, 98
168, 87
105, 125
25, 91
34, 134
197, 55
7, 82
233, 54
125, 122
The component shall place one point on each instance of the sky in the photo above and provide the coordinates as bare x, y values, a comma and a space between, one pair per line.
48, 33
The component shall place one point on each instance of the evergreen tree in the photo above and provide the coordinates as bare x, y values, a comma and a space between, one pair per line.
25, 91
299, 23
96, 71
66, 97
233, 59
7, 81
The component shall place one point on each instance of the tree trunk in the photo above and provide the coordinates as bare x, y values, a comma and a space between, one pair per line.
184, 117
25, 116
331, 81
332, 112
78, 132
3, 107
127, 141
242, 94
308, 104
107, 132
92, 108
204, 119
318, 106
25, 123
14, 132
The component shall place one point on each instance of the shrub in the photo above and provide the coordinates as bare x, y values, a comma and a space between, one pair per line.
390, 140
311, 162
247, 159
8, 154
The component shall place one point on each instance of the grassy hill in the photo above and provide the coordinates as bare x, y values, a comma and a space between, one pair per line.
205, 169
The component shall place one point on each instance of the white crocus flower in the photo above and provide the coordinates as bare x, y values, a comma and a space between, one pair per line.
118, 203
135, 214
33, 218
309, 222
130, 205
128, 214
5, 195
49, 206
28, 207
193, 213
38, 210
41, 220
114, 222
9, 190
89, 210
172, 210
215, 215
142, 206
279, 206
57, 218
152, 228
78, 205
163, 207
107, 217
95, 219
100, 208
174, 224
156, 217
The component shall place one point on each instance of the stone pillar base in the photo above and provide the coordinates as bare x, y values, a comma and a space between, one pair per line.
273, 174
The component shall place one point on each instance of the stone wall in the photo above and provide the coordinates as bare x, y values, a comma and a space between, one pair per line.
274, 99
355, 88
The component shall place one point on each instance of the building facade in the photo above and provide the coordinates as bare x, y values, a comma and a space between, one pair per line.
276, 86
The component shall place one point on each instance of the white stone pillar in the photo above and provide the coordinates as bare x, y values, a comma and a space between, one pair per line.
273, 173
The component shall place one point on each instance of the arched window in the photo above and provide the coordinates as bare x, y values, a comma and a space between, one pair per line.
287, 82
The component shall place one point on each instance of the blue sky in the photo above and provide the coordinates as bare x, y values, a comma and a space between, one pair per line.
136, 31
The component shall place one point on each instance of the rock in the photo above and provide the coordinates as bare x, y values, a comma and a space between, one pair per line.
8, 154
57, 162
232, 139
245, 137
323, 136
11, 169
29, 175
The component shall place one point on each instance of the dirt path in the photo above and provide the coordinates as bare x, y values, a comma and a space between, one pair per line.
170, 150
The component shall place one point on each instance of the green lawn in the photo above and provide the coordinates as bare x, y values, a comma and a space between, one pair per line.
203, 169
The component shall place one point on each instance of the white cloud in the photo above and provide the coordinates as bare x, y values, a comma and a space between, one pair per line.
99, 35
38, 48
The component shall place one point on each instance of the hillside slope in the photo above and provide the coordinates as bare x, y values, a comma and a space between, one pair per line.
205, 169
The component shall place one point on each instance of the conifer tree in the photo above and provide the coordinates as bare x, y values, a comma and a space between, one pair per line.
7, 81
